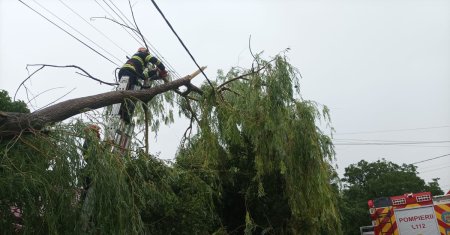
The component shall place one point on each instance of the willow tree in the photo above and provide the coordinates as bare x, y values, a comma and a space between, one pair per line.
259, 147
257, 163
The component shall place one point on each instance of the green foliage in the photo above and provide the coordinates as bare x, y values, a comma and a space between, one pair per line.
175, 201
160, 110
258, 164
45, 175
7, 105
260, 148
365, 181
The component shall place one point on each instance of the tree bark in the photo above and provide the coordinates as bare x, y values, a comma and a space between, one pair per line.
14, 123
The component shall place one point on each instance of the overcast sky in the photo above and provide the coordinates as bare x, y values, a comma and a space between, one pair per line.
382, 67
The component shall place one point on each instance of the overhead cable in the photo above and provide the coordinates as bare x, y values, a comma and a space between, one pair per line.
431, 159
151, 47
69, 33
112, 17
76, 30
395, 143
395, 130
181, 41
433, 170
387, 141
99, 31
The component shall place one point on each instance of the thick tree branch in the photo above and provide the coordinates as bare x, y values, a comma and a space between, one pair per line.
13, 123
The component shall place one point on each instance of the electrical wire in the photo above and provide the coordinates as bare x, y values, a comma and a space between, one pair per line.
46, 9
395, 130
151, 47
68, 32
99, 31
181, 41
137, 40
120, 11
387, 141
396, 143
112, 17
429, 167
431, 159
432, 170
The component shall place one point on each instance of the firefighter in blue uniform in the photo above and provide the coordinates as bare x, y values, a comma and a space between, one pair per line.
134, 69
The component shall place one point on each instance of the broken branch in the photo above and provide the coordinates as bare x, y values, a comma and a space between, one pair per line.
13, 123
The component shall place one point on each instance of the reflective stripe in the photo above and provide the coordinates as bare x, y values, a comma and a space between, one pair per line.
149, 57
138, 58
129, 66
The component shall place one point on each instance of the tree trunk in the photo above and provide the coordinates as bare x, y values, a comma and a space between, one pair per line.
14, 123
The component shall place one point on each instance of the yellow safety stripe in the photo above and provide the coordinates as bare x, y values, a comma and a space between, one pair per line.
145, 73
138, 58
149, 57
129, 66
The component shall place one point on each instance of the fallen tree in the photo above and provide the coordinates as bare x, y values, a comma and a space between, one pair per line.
14, 123
256, 163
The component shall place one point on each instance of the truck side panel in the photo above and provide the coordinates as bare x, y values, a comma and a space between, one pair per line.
443, 218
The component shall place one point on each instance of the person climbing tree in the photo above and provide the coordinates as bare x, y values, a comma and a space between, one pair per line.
134, 69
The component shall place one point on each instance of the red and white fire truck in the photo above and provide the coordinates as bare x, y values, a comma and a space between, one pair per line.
411, 214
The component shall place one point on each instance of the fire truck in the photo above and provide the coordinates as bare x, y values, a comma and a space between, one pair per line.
410, 214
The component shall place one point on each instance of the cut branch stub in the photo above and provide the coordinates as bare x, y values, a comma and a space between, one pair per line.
194, 74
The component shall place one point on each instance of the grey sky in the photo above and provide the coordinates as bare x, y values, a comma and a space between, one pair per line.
378, 65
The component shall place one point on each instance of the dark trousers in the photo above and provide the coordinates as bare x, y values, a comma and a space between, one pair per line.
127, 108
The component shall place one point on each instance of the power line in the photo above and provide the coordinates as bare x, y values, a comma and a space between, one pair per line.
129, 21
75, 30
181, 41
152, 48
140, 43
71, 9
138, 39
429, 167
435, 169
395, 130
135, 33
387, 141
69, 33
396, 143
430, 159
127, 27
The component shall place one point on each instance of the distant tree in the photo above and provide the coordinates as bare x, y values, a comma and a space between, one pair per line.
364, 181
7, 105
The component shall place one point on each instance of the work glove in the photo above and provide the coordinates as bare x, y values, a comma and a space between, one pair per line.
162, 73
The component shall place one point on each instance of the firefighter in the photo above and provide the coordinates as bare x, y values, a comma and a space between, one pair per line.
134, 69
